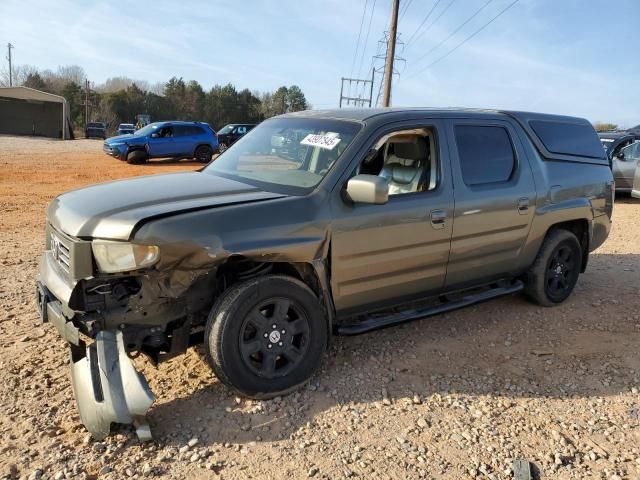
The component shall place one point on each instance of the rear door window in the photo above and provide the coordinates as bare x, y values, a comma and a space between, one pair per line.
194, 130
486, 154
180, 131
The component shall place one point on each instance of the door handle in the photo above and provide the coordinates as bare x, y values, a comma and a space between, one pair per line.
438, 218
523, 206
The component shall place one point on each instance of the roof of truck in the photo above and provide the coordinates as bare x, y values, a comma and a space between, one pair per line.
362, 114
547, 132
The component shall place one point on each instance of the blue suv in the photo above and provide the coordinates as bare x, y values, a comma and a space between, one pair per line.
165, 140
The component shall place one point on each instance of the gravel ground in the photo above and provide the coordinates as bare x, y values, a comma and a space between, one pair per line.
455, 396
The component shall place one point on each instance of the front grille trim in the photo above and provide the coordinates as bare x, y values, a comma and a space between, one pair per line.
61, 249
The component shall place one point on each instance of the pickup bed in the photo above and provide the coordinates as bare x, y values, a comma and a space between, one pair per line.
313, 224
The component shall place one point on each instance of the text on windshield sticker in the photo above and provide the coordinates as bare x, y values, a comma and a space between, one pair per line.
322, 141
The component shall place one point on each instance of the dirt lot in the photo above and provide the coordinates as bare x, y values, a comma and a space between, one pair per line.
455, 396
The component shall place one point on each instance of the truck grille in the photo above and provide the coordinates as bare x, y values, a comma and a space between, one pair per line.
61, 251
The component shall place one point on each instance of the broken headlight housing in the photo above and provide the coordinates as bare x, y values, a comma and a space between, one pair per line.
113, 257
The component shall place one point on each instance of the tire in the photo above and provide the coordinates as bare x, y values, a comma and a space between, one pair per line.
263, 367
554, 274
203, 154
137, 157
222, 147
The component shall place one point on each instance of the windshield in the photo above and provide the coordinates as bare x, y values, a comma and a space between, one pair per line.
148, 130
226, 129
289, 152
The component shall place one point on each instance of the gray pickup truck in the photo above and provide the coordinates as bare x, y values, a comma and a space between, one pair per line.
313, 224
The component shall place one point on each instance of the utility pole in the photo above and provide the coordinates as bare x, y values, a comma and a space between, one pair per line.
86, 102
9, 47
391, 52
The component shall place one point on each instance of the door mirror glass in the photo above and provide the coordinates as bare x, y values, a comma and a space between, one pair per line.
620, 155
368, 189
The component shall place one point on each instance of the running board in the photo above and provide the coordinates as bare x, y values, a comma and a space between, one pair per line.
416, 314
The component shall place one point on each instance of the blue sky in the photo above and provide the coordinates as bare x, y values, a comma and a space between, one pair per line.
575, 57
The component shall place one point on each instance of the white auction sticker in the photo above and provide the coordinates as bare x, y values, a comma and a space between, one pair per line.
322, 141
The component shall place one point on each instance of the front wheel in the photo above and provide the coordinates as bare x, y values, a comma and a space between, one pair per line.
203, 154
554, 274
266, 336
137, 157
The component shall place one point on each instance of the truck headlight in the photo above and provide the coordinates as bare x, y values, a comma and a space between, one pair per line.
113, 257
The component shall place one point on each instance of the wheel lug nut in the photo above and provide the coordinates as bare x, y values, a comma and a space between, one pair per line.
280, 344
269, 346
266, 335
273, 326
283, 332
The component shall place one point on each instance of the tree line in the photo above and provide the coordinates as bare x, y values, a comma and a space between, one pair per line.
120, 99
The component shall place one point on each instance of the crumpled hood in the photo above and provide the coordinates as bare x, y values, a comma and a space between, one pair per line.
112, 210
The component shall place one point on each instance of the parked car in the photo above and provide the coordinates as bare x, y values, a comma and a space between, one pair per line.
96, 130
165, 140
626, 167
372, 219
623, 168
126, 129
231, 133
613, 142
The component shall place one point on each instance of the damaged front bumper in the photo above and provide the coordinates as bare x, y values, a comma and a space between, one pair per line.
108, 389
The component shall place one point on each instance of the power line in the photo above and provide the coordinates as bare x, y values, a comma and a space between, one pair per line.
402, 13
474, 15
436, 20
366, 38
355, 56
423, 21
467, 39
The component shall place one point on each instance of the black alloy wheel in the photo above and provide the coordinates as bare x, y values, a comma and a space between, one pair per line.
274, 338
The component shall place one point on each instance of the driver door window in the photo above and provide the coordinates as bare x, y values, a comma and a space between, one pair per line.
406, 159
631, 152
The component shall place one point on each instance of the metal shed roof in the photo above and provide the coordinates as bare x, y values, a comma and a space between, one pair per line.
26, 93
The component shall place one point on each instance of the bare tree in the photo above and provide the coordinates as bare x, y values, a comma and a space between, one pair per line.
72, 73
115, 84
20, 74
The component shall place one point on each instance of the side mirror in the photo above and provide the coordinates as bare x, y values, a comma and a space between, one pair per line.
620, 155
368, 189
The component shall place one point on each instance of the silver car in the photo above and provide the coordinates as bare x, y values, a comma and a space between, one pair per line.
624, 165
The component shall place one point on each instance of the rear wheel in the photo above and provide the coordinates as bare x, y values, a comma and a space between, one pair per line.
266, 336
203, 154
137, 157
554, 274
